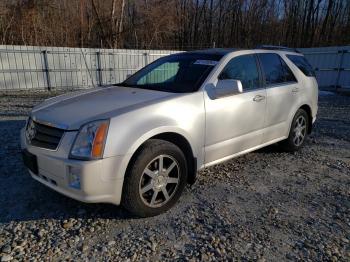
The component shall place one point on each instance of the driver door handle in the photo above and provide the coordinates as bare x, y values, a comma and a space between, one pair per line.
258, 98
295, 90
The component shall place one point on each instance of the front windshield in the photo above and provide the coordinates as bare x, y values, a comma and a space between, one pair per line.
179, 73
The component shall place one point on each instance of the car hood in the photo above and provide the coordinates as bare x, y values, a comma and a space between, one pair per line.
70, 111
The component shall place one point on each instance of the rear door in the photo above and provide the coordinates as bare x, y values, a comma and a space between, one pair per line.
281, 90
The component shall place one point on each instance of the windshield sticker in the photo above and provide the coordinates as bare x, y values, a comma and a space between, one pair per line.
206, 62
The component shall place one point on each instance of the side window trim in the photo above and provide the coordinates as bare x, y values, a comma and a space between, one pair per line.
261, 72
279, 84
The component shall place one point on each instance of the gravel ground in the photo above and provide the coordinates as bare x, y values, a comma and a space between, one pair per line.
264, 206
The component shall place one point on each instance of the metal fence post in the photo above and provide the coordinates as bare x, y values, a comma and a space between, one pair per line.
99, 68
46, 70
145, 55
340, 65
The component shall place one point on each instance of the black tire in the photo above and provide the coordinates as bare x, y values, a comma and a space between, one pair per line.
133, 199
290, 144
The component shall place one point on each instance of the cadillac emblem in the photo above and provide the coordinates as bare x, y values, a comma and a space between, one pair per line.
30, 131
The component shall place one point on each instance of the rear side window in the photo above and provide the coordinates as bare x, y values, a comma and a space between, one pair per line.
276, 71
302, 64
288, 74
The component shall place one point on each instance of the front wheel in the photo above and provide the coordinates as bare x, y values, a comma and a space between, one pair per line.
298, 132
155, 179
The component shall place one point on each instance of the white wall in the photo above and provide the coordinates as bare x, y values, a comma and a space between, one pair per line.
327, 61
24, 67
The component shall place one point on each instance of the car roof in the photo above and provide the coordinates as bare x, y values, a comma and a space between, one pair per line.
215, 51
218, 53
225, 51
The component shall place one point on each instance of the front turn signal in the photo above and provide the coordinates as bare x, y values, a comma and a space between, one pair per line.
99, 141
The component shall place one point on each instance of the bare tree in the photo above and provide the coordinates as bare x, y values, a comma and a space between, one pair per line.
182, 24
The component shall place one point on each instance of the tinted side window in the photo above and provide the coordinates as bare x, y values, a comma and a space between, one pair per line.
273, 69
242, 68
288, 74
302, 64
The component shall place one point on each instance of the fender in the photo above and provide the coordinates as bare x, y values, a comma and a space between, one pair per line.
156, 131
294, 111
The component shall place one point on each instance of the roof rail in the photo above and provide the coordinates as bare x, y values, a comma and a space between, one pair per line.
276, 47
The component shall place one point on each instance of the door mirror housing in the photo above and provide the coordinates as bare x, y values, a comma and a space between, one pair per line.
227, 87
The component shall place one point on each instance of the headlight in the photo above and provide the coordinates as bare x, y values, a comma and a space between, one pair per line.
90, 141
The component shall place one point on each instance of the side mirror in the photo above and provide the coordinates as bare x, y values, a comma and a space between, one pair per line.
227, 87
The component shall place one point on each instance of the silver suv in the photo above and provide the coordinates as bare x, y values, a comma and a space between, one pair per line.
138, 143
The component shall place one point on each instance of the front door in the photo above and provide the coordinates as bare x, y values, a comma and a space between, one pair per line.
235, 123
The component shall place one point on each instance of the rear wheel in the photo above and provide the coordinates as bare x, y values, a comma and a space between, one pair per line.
155, 179
298, 131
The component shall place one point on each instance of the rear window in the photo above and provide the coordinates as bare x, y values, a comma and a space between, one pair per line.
302, 64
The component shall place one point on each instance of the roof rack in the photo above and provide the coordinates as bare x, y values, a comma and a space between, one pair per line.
276, 47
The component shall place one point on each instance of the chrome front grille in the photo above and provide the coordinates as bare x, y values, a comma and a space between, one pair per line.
43, 136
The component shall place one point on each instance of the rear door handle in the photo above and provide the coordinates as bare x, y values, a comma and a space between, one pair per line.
295, 90
258, 98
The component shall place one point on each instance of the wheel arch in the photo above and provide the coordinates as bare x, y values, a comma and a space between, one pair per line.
307, 109
177, 138
181, 142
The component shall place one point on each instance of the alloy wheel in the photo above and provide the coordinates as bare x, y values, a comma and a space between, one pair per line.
299, 130
159, 181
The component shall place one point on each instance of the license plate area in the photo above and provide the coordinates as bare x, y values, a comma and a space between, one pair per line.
30, 161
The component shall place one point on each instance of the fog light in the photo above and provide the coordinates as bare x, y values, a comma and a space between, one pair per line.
74, 177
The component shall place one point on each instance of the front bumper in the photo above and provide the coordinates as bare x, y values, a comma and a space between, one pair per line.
99, 180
